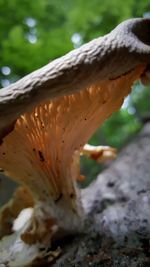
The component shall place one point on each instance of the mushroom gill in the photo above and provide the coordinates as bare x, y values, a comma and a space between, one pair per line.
42, 152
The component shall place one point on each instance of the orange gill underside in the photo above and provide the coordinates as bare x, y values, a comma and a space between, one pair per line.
41, 152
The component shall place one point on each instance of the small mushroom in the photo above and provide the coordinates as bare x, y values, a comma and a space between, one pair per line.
48, 117
99, 153
21, 199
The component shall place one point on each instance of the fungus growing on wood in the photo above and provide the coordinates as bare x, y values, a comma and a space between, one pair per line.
21, 199
50, 120
99, 153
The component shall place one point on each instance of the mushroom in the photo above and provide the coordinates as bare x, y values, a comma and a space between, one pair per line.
47, 118
99, 153
21, 200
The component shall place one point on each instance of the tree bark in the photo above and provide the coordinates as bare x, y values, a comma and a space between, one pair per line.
117, 231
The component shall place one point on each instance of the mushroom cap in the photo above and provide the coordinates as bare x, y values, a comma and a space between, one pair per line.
42, 149
104, 58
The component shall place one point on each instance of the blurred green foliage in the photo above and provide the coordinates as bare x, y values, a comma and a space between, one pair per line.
32, 33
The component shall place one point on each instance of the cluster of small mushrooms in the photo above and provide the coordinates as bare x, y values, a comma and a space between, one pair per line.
46, 119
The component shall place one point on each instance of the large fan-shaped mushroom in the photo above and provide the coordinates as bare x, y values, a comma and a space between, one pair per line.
47, 117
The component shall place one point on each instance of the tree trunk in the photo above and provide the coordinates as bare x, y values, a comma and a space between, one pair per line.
118, 229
